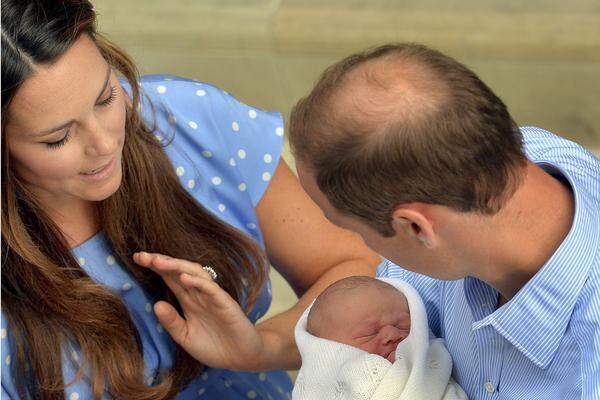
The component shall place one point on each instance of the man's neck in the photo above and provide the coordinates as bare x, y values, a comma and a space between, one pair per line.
526, 232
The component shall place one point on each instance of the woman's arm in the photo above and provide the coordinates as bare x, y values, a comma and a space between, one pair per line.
309, 252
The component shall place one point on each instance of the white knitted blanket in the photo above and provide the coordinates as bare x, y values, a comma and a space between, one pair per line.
335, 371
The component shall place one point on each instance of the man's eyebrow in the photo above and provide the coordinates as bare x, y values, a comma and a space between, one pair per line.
62, 126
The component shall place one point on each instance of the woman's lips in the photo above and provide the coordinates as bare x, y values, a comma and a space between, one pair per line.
101, 173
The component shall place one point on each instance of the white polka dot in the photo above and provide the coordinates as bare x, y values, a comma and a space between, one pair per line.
280, 390
159, 328
262, 376
191, 183
158, 137
252, 114
126, 286
232, 162
172, 119
149, 380
222, 207
192, 124
81, 261
148, 307
279, 131
3, 333
161, 89
207, 154
7, 360
204, 376
74, 356
74, 396
110, 260
242, 187
268, 158
251, 394
266, 176
241, 154
216, 180
201, 391
227, 383
200, 92
180, 171
251, 225
235, 126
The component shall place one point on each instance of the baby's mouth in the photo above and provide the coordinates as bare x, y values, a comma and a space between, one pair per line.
391, 357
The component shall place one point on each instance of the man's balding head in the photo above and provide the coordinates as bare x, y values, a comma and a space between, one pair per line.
404, 123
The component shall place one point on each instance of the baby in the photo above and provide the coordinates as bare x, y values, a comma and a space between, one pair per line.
366, 338
362, 312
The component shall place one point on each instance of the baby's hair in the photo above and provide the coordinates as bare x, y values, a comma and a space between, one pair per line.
349, 283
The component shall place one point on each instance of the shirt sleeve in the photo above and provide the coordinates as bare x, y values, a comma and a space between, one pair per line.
254, 140
211, 125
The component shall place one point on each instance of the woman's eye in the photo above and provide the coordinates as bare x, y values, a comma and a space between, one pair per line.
59, 143
110, 98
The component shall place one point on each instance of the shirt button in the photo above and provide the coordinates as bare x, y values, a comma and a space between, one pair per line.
489, 387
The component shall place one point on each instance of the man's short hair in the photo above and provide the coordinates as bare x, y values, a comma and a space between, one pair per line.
405, 123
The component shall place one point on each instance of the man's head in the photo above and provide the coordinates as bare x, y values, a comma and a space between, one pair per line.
391, 135
362, 312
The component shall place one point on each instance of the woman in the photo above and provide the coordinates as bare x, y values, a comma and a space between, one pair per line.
96, 168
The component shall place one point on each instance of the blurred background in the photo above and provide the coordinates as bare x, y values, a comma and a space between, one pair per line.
542, 57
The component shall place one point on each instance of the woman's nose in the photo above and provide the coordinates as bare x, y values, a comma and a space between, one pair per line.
101, 142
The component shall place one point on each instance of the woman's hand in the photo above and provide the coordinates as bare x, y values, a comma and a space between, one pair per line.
213, 329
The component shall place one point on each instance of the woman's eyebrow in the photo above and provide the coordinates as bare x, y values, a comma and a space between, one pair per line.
62, 126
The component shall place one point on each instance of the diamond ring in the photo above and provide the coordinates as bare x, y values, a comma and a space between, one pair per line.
211, 272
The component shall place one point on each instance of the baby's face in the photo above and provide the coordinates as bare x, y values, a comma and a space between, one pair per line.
370, 318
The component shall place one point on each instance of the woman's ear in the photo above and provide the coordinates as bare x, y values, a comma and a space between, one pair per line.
414, 222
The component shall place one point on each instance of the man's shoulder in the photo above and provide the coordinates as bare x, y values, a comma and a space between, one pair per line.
541, 145
587, 309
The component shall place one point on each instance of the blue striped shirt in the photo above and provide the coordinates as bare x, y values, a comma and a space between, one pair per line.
545, 342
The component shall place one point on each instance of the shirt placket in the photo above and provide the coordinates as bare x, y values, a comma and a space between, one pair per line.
489, 345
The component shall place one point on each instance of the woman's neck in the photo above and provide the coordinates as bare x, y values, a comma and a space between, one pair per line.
77, 219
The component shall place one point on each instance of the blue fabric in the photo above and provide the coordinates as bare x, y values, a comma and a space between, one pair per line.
545, 342
225, 154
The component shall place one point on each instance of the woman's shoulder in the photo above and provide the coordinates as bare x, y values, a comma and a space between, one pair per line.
221, 148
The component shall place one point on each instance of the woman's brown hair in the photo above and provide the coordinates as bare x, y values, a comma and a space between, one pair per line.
48, 299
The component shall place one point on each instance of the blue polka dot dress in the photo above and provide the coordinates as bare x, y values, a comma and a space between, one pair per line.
224, 153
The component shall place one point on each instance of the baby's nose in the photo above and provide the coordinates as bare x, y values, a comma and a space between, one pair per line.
390, 335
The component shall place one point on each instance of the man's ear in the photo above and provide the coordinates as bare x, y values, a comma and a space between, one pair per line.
412, 221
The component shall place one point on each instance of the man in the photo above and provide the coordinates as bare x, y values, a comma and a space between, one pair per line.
497, 227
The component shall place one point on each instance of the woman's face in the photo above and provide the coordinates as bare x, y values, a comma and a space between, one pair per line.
66, 128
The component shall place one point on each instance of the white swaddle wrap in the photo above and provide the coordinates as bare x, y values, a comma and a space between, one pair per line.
336, 371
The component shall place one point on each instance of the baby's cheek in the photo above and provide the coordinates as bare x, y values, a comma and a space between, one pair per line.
370, 346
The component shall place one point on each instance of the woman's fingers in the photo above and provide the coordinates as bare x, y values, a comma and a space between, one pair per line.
206, 288
170, 319
161, 263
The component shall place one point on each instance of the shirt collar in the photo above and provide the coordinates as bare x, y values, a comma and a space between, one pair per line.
535, 320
